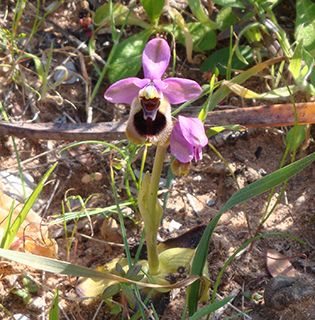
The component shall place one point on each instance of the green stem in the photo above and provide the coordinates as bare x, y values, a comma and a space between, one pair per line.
151, 237
156, 175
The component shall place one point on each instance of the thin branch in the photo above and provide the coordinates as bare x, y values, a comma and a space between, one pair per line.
275, 115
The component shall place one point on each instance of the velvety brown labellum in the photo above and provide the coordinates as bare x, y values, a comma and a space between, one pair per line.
149, 127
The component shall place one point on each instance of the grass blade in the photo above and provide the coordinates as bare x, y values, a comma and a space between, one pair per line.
66, 268
210, 308
54, 311
89, 212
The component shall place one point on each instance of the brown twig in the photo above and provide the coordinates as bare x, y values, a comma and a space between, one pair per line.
254, 117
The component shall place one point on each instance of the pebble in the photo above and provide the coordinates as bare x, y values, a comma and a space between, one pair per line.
197, 178
262, 172
110, 230
36, 304
196, 205
20, 316
211, 202
11, 279
174, 225
251, 175
300, 200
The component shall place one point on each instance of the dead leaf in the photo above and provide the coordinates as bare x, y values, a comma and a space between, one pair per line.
110, 230
33, 235
278, 264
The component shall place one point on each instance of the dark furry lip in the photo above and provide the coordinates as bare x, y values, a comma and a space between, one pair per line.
147, 126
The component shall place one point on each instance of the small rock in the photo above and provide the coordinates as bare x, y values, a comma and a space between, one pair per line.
110, 230
2, 290
127, 212
211, 202
174, 225
300, 200
20, 316
252, 175
88, 178
196, 205
11, 279
36, 304
262, 172
197, 178
283, 292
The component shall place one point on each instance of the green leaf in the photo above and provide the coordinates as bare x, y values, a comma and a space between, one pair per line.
198, 11
230, 3
111, 290
223, 91
62, 267
126, 61
153, 8
295, 137
254, 189
219, 59
225, 18
53, 265
14, 228
203, 37
305, 23
245, 93
102, 14
121, 15
30, 285
38, 65
210, 308
301, 64
54, 310
8, 225
24, 294
296, 61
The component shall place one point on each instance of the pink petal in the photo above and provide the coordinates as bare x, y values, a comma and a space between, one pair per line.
125, 90
160, 84
155, 58
180, 148
198, 153
180, 90
193, 131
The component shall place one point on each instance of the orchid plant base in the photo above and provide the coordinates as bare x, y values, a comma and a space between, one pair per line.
162, 264
170, 262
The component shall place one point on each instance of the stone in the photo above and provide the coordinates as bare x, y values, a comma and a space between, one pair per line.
282, 291
36, 304
20, 316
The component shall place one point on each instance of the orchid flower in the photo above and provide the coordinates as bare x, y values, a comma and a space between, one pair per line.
150, 98
187, 139
155, 60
